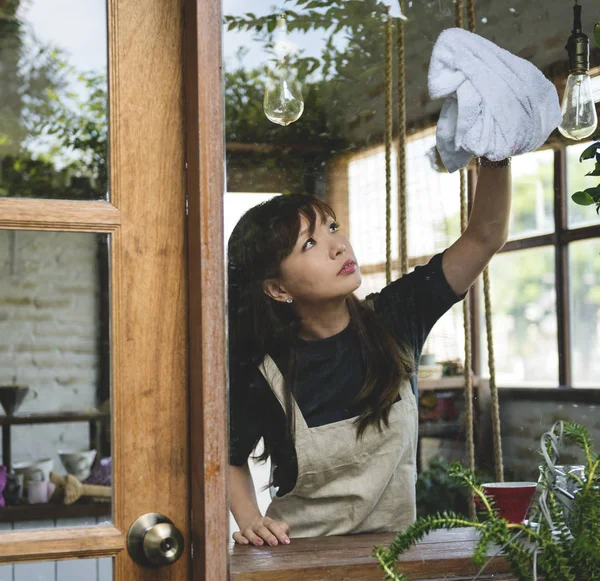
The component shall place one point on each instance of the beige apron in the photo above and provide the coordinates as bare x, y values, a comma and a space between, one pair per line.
345, 486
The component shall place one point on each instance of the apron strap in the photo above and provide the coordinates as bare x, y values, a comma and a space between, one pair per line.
275, 380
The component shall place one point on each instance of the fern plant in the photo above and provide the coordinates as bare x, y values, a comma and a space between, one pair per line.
557, 543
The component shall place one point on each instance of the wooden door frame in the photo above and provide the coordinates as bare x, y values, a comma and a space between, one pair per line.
207, 349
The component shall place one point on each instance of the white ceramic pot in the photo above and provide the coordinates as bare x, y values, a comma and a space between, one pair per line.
42, 467
78, 463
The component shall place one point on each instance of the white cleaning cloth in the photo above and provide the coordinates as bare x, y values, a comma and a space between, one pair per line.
497, 104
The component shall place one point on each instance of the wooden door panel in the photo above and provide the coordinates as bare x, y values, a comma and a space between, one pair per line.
149, 278
145, 220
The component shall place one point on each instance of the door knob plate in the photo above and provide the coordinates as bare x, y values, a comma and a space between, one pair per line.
154, 541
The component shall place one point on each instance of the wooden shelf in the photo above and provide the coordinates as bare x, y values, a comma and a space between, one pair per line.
94, 418
444, 383
53, 418
30, 512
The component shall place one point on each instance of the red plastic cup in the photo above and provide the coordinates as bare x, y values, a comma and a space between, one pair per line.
512, 499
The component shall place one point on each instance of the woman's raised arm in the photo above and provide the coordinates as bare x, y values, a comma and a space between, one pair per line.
486, 233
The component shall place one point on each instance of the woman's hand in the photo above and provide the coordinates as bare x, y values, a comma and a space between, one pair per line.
261, 530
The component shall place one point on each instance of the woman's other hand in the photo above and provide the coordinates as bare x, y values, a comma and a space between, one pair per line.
263, 530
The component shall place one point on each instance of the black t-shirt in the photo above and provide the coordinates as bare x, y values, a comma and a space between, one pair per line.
330, 372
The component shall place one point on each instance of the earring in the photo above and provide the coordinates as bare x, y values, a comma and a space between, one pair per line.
290, 300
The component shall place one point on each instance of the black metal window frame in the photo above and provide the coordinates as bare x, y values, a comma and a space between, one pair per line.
560, 240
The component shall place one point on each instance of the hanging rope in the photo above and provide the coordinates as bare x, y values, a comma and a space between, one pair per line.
468, 392
402, 195
497, 435
389, 124
470, 416
497, 432
471, 15
403, 238
458, 14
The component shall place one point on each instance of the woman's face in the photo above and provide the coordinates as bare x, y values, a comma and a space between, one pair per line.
321, 267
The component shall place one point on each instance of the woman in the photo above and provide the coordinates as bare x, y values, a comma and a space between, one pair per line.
327, 381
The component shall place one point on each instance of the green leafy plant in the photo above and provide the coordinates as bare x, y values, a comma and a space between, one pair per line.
590, 196
564, 548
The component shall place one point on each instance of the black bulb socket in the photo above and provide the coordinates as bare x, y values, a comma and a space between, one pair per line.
578, 46
578, 49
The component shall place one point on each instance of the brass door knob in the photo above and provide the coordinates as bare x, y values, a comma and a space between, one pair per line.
154, 541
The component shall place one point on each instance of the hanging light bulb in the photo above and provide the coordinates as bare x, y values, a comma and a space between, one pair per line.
283, 103
578, 108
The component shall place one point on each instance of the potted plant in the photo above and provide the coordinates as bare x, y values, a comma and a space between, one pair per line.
558, 543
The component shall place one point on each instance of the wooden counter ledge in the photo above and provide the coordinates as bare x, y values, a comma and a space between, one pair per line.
442, 554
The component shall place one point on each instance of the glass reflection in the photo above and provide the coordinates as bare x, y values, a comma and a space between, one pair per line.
53, 90
54, 375
335, 152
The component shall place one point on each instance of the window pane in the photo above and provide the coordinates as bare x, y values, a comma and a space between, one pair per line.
433, 203
584, 277
533, 192
53, 100
433, 200
366, 191
54, 375
577, 215
524, 319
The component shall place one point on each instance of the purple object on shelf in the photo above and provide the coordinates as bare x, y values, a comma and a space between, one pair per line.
101, 472
2, 485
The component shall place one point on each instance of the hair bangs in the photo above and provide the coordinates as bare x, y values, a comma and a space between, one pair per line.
286, 226
314, 209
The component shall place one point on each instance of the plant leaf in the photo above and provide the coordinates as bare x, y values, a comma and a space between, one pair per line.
594, 192
590, 151
582, 198
597, 33
595, 171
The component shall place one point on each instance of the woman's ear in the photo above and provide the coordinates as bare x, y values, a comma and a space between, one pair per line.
273, 289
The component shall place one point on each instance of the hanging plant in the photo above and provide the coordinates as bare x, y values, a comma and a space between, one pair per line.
590, 196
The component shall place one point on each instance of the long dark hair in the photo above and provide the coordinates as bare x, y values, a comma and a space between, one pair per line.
259, 325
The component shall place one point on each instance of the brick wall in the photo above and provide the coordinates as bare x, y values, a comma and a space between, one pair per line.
523, 423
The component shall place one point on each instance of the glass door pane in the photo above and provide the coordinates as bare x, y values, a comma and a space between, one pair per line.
54, 377
53, 95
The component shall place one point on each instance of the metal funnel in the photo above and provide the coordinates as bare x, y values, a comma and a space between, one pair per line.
11, 397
